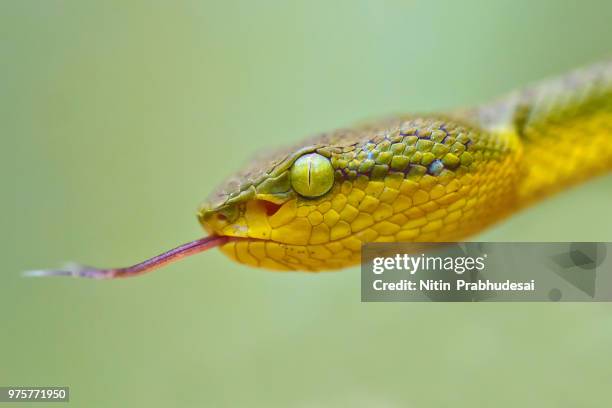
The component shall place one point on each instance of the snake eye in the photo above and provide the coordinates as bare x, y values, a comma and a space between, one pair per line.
312, 175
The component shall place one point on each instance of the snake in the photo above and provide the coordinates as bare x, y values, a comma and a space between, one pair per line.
432, 177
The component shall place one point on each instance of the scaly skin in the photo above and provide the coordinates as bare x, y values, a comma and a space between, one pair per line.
420, 178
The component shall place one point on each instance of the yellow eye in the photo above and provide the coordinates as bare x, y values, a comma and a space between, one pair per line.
312, 175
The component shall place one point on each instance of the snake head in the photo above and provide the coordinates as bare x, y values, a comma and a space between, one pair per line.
311, 207
271, 207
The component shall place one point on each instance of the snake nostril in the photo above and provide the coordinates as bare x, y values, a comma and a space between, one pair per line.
271, 208
221, 217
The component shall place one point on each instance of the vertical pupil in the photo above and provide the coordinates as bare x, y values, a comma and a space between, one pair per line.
309, 173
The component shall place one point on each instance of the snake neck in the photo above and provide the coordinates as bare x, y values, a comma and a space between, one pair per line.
563, 127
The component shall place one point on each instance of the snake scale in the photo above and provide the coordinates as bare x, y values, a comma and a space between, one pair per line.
417, 178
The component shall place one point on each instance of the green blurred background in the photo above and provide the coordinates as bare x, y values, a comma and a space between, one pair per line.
119, 117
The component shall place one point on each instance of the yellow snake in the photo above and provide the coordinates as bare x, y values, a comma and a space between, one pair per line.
417, 178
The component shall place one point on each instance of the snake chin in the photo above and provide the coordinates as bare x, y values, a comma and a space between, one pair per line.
278, 256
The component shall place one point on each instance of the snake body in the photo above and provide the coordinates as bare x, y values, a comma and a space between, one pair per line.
417, 178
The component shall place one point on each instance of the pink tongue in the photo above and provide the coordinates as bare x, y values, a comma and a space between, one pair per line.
150, 264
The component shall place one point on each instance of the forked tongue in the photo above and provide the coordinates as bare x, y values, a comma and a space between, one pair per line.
188, 249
